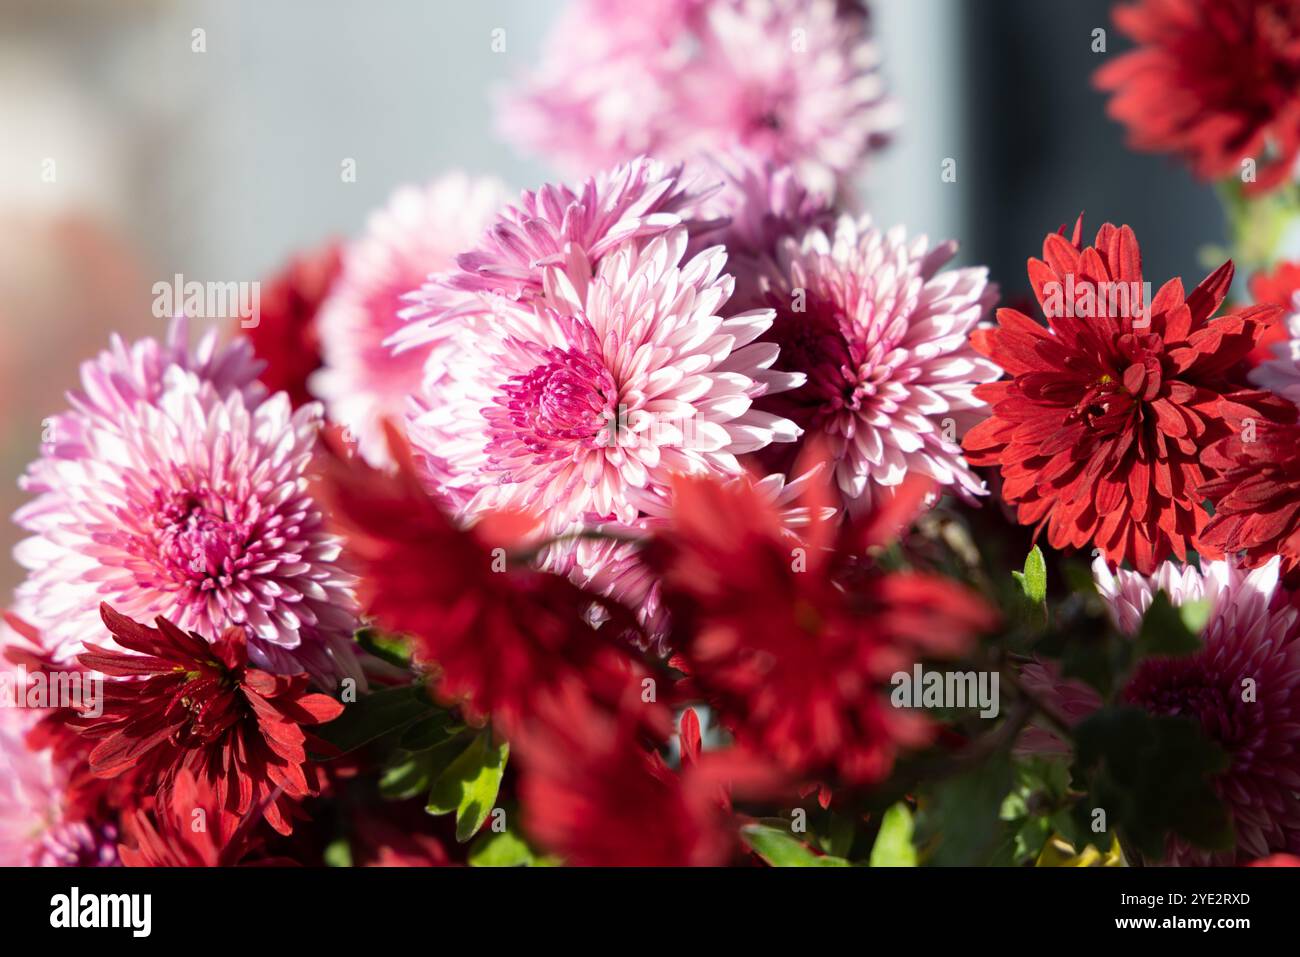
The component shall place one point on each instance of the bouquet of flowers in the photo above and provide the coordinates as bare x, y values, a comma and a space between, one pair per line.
680, 513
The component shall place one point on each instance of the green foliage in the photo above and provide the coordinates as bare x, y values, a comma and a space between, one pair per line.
468, 786
1038, 806
1090, 649
959, 822
1258, 223
376, 715
779, 848
893, 847
1165, 631
394, 649
1151, 777
506, 849
429, 732
409, 774
338, 853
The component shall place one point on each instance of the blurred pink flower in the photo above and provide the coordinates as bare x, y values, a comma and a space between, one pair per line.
1281, 372
417, 233
762, 204
796, 81
34, 831
884, 339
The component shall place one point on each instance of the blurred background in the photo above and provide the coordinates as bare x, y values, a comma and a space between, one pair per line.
144, 138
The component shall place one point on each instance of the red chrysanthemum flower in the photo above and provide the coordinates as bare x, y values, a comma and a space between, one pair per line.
795, 645
500, 636
285, 336
1216, 81
595, 795
169, 836
1256, 492
1101, 427
185, 704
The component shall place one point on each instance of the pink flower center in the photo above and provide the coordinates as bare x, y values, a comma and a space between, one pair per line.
197, 544
814, 344
566, 401
1185, 687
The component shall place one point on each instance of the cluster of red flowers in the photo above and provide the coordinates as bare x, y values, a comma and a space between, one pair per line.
794, 663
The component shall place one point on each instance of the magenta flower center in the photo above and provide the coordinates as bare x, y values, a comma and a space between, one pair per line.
1183, 688
198, 545
567, 401
814, 343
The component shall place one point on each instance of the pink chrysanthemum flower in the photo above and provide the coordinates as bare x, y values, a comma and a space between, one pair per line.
611, 381
34, 830
418, 233
1251, 634
762, 204
122, 375
554, 226
795, 81
884, 339
194, 508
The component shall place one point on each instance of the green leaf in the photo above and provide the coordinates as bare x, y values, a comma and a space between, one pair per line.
429, 732
506, 849
1033, 580
377, 714
893, 847
409, 774
393, 649
338, 853
1151, 775
1195, 614
406, 777
470, 784
1041, 795
1030, 837
962, 815
840, 832
780, 849
1164, 631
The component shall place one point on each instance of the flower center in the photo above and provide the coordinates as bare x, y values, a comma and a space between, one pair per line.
198, 545
569, 399
1193, 688
815, 345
